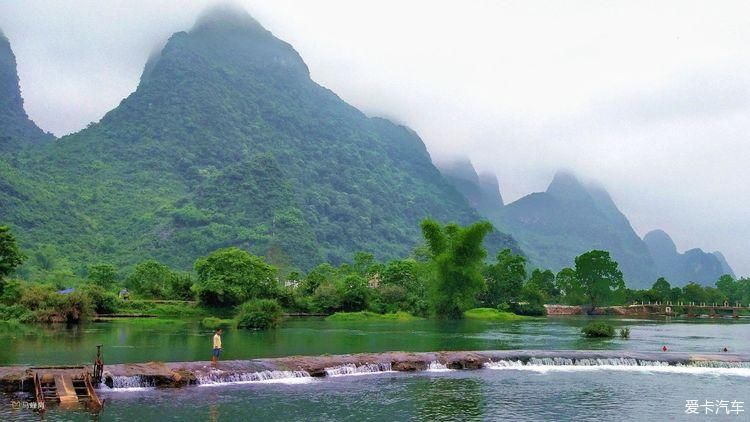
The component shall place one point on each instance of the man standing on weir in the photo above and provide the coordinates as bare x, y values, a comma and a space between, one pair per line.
217, 346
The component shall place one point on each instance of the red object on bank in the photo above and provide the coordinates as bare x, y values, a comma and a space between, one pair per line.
663, 348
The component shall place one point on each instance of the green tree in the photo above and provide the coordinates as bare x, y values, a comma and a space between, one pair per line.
728, 288
544, 282
570, 287
599, 277
365, 264
504, 279
694, 292
457, 255
402, 287
230, 276
319, 275
154, 279
103, 275
354, 293
662, 289
10, 255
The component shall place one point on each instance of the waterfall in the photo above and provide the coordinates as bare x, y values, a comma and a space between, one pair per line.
557, 364
436, 366
352, 369
223, 378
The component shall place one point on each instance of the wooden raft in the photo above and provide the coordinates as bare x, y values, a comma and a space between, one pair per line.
66, 386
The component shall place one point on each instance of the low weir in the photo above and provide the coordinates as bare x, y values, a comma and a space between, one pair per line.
306, 368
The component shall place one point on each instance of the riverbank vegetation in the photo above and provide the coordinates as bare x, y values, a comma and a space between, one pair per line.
449, 276
598, 329
492, 314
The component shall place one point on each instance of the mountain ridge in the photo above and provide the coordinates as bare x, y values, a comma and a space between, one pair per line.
680, 268
17, 130
226, 141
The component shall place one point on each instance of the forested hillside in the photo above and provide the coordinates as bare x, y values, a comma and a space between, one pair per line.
226, 142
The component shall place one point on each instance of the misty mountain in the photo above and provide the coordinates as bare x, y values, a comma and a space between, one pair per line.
228, 142
481, 190
555, 226
16, 129
568, 219
725, 267
681, 268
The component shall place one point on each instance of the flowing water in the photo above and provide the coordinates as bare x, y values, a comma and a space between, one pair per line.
540, 389
172, 341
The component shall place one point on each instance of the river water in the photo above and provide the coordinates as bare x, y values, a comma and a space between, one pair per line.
524, 393
146, 340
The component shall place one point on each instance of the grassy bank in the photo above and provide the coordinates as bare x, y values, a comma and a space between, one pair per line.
491, 314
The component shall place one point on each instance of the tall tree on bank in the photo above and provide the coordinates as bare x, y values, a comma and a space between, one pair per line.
599, 277
230, 276
10, 256
566, 281
662, 289
504, 279
457, 256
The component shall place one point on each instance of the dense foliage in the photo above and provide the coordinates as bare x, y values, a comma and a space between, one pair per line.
10, 256
226, 142
446, 277
598, 329
457, 260
231, 276
259, 314
599, 276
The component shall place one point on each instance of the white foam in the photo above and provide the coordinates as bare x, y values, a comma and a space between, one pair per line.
354, 370
544, 366
127, 389
290, 381
436, 366
218, 377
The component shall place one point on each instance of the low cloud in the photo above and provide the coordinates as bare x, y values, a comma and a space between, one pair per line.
649, 98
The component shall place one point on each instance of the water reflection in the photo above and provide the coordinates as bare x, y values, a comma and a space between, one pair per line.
148, 340
445, 399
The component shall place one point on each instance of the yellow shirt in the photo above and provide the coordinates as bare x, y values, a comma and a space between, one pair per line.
217, 341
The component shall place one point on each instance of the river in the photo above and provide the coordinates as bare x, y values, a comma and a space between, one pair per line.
525, 393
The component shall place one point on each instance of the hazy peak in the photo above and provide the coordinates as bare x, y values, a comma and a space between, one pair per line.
565, 185
226, 16
660, 239
460, 168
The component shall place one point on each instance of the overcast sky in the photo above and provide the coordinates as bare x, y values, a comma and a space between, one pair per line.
652, 99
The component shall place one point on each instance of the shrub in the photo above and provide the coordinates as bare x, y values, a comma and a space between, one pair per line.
104, 302
14, 312
492, 314
150, 279
326, 298
11, 292
598, 329
625, 332
38, 296
355, 294
528, 309
259, 314
214, 323
50, 306
103, 275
